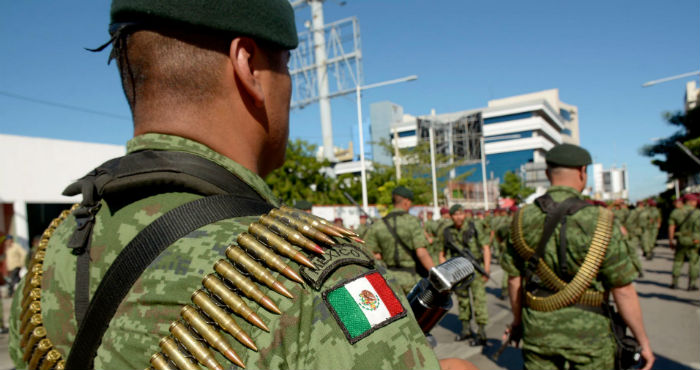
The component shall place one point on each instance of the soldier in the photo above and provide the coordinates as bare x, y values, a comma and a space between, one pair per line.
467, 233
363, 228
399, 241
120, 277
634, 227
684, 223
651, 231
556, 232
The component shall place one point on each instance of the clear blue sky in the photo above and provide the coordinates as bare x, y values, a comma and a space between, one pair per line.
597, 53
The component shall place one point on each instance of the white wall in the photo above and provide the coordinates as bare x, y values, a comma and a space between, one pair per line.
36, 170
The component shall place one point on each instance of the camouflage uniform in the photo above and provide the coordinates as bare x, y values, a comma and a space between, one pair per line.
687, 233
380, 240
502, 232
478, 286
306, 335
651, 231
362, 230
572, 334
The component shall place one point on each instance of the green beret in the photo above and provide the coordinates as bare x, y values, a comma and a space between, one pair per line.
302, 204
403, 192
568, 155
456, 208
266, 20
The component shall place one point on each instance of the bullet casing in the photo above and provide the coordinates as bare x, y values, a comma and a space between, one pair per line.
34, 322
209, 333
25, 316
276, 242
257, 270
50, 360
249, 243
41, 349
37, 335
171, 349
160, 362
216, 313
247, 286
302, 226
232, 300
290, 234
195, 347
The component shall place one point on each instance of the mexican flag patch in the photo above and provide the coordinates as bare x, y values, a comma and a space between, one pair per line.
363, 305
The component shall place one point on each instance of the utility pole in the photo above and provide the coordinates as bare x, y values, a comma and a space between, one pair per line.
432, 167
483, 173
324, 101
397, 161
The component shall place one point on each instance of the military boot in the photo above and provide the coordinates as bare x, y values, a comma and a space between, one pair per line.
466, 333
480, 338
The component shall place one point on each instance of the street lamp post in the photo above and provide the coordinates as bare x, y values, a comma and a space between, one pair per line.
358, 94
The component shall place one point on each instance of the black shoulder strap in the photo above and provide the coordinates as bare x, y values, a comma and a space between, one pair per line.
139, 253
687, 217
556, 213
396, 237
153, 170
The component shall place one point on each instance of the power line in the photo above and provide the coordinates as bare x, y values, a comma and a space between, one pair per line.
63, 106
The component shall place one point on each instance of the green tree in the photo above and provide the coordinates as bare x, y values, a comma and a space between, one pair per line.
304, 177
673, 160
512, 187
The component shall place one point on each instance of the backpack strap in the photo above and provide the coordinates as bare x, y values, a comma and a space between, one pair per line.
139, 253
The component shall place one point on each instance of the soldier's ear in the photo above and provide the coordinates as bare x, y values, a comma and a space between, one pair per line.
242, 54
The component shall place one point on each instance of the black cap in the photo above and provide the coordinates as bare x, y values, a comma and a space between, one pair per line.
568, 155
266, 20
403, 192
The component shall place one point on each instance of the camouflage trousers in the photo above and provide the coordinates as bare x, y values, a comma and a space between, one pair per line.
478, 294
405, 279
648, 240
683, 253
534, 360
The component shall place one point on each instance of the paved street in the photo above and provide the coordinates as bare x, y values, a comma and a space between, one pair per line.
672, 319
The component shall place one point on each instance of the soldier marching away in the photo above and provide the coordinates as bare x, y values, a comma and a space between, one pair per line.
684, 224
398, 240
213, 271
564, 324
468, 233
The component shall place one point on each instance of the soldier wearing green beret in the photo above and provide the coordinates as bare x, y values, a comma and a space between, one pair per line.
142, 272
469, 233
398, 240
684, 225
555, 234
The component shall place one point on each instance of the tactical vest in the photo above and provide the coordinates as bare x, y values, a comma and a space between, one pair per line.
545, 290
256, 254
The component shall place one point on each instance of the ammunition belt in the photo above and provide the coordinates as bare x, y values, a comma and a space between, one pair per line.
38, 350
205, 321
577, 290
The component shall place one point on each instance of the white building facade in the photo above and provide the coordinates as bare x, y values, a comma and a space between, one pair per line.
34, 173
610, 184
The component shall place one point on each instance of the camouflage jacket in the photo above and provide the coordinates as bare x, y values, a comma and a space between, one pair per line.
577, 331
306, 335
475, 243
689, 228
380, 240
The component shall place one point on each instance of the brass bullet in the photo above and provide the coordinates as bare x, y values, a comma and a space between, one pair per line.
171, 349
51, 358
290, 234
34, 295
210, 334
195, 347
302, 227
276, 242
25, 316
249, 288
233, 301
35, 321
221, 317
160, 362
28, 287
33, 282
250, 244
37, 334
258, 271
61, 365
41, 349
313, 221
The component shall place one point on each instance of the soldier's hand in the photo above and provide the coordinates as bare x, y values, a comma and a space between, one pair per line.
648, 358
485, 278
517, 334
